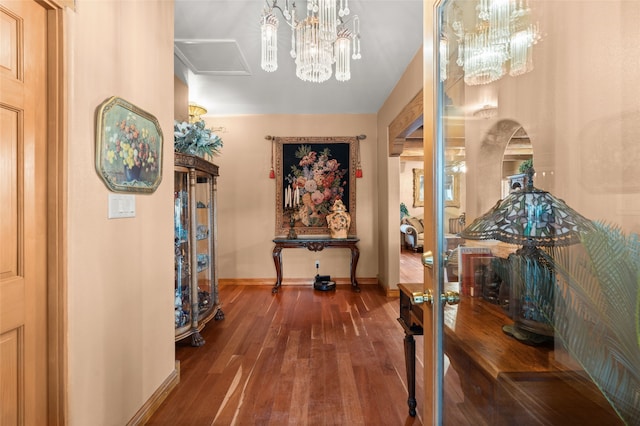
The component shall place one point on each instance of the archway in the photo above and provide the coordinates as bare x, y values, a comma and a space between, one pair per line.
495, 147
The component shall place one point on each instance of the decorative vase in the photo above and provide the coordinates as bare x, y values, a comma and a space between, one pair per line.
338, 221
131, 174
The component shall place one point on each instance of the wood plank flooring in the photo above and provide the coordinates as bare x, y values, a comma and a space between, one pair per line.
411, 269
299, 357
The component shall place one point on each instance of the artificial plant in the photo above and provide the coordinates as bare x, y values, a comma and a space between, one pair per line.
598, 312
196, 139
525, 166
404, 211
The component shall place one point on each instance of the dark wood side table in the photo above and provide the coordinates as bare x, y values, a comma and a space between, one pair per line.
504, 382
316, 244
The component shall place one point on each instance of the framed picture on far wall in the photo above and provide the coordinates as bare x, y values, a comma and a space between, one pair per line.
452, 190
311, 174
418, 187
128, 147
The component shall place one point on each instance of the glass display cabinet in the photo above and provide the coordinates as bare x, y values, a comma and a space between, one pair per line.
195, 230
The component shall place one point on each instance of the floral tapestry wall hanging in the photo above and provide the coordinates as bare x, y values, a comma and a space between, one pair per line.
317, 171
128, 147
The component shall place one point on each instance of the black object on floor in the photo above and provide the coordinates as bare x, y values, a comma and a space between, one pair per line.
324, 283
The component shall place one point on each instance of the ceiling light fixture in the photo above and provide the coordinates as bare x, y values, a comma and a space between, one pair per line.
457, 167
503, 39
195, 111
486, 112
318, 42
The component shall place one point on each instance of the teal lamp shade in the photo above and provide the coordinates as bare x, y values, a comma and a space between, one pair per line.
530, 218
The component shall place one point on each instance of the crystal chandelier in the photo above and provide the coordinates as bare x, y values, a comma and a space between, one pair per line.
503, 39
318, 42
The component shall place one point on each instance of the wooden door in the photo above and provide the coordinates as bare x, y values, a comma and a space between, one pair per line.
23, 309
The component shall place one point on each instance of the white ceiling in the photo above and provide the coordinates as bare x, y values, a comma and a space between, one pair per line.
218, 55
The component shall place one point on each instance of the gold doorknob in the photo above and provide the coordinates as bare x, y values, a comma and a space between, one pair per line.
449, 297
427, 259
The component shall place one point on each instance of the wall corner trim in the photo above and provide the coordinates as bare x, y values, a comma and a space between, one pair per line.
153, 403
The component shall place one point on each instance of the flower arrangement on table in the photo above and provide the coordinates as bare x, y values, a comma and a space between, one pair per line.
132, 146
196, 139
318, 181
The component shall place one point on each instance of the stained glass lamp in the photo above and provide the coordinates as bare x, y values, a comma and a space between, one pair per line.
531, 218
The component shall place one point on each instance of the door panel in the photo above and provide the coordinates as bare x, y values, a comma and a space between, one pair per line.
10, 374
8, 151
23, 371
10, 46
9, 202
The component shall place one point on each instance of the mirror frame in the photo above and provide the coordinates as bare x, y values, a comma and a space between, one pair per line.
418, 187
454, 180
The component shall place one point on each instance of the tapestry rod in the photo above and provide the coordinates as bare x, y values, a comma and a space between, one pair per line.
359, 137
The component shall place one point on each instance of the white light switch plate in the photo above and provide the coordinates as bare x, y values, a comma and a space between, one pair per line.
121, 205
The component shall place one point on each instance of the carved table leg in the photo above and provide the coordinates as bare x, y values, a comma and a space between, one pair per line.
355, 255
277, 260
410, 360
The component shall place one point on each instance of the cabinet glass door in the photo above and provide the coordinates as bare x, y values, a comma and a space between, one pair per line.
204, 246
537, 156
182, 231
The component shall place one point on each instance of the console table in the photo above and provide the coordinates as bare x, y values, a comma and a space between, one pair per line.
504, 382
316, 244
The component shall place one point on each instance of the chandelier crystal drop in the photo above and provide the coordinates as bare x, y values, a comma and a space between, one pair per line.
484, 62
343, 55
318, 41
444, 57
328, 19
269, 29
502, 40
315, 56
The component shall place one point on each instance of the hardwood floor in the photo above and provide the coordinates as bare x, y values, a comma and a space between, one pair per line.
411, 269
300, 357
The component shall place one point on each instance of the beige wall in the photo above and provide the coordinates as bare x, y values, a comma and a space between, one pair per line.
388, 175
120, 271
246, 197
181, 103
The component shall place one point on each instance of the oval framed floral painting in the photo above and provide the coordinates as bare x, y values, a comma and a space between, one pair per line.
312, 173
128, 147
